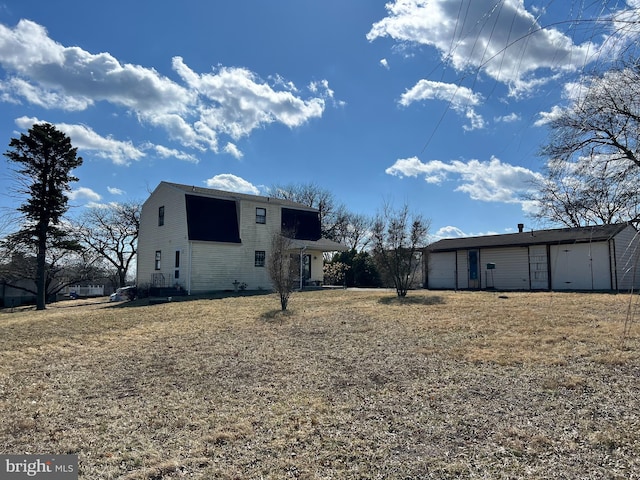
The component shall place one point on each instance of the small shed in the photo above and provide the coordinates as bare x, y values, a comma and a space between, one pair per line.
594, 258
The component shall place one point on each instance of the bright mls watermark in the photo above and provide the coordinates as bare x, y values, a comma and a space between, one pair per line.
49, 467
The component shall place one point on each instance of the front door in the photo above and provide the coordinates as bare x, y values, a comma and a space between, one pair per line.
474, 269
301, 271
306, 268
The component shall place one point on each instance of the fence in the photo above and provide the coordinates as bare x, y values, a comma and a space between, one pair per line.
84, 290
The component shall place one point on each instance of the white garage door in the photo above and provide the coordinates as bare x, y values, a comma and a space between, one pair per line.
583, 266
442, 270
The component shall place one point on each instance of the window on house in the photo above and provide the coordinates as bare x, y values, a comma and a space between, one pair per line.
260, 258
158, 258
161, 216
176, 274
261, 215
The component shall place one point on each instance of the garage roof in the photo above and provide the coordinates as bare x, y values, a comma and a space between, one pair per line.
596, 233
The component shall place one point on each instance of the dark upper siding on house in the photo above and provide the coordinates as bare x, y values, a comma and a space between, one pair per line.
302, 224
212, 219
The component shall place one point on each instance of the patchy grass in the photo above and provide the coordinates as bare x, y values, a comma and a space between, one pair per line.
348, 384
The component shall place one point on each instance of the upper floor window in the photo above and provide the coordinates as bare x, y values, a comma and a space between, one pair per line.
161, 216
261, 215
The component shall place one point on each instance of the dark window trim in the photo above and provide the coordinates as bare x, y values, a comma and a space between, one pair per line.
158, 259
261, 217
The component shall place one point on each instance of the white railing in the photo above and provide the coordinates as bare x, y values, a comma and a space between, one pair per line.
85, 290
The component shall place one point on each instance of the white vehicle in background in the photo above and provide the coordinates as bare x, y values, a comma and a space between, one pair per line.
123, 294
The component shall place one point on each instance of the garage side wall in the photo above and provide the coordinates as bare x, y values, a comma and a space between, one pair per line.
511, 268
627, 256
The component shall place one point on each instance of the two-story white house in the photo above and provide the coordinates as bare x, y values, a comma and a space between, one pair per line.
205, 240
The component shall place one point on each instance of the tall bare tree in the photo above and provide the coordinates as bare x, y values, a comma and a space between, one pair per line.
63, 267
111, 232
355, 231
333, 216
593, 153
44, 160
280, 267
398, 237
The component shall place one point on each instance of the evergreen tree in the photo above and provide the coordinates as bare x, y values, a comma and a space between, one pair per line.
44, 160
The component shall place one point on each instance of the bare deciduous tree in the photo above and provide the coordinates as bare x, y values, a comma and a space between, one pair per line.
333, 216
63, 267
355, 231
112, 232
281, 268
593, 153
398, 238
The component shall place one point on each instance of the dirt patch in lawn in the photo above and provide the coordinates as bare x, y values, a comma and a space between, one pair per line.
348, 384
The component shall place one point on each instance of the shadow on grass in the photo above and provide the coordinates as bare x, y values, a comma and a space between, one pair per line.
143, 302
412, 300
276, 315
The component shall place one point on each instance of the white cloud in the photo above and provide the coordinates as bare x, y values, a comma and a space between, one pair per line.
546, 117
234, 101
454, 232
449, 232
229, 101
233, 150
28, 51
501, 39
84, 138
115, 191
232, 183
512, 117
84, 193
489, 181
384, 63
461, 99
165, 152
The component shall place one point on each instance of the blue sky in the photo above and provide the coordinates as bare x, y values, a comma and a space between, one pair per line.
438, 103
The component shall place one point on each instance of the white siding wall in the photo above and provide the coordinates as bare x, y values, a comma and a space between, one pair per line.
512, 268
441, 270
627, 253
167, 239
582, 266
217, 265
317, 266
463, 268
538, 267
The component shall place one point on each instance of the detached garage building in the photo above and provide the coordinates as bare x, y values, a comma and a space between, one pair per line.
601, 257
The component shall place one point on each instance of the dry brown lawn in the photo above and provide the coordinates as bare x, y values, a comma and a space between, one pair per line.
348, 385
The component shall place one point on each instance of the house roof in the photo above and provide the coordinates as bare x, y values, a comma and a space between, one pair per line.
596, 233
214, 193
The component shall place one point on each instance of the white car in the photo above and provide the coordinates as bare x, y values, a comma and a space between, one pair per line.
123, 293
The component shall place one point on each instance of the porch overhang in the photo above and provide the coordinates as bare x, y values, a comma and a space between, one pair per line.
321, 245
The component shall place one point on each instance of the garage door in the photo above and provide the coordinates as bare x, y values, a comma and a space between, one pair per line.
580, 267
442, 270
